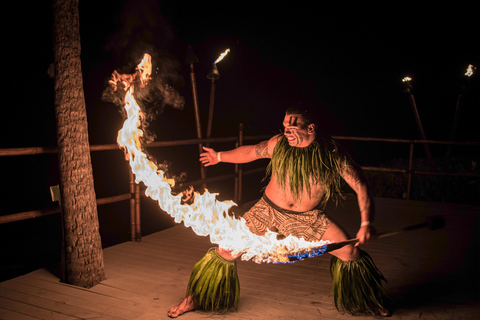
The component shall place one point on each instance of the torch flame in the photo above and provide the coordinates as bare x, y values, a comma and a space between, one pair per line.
220, 58
470, 69
206, 215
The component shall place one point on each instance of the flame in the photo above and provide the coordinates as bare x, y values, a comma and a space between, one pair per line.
206, 215
406, 79
145, 68
470, 69
220, 58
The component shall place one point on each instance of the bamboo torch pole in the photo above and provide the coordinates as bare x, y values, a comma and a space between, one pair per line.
468, 74
408, 90
191, 59
213, 75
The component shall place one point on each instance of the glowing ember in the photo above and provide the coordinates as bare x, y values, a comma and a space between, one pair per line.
206, 215
406, 79
470, 69
222, 56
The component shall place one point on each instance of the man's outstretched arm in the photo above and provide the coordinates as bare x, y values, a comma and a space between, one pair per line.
241, 154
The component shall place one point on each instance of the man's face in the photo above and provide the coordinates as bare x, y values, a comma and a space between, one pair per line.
298, 133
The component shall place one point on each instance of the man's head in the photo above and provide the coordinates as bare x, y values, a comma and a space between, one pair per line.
299, 128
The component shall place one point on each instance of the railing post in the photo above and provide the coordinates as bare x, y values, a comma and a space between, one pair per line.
132, 206
410, 170
138, 225
238, 169
235, 180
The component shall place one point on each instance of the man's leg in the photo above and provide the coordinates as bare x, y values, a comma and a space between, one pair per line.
338, 234
204, 273
352, 268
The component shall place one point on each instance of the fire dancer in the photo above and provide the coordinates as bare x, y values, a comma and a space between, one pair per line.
305, 171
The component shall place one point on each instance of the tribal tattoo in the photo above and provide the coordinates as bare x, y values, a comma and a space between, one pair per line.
358, 182
261, 150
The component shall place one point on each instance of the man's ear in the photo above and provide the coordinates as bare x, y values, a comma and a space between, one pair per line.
311, 128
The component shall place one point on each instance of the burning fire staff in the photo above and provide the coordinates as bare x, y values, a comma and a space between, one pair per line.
305, 172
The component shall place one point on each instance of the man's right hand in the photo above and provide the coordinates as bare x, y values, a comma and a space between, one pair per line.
209, 157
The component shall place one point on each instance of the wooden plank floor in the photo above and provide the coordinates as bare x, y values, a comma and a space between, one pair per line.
431, 274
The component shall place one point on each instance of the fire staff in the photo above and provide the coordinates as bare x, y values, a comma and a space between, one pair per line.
306, 169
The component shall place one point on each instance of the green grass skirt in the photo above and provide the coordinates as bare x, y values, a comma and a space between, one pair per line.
357, 285
214, 283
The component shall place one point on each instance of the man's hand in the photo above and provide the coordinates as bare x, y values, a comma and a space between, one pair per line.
366, 234
209, 158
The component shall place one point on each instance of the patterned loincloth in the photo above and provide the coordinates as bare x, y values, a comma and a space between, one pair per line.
310, 225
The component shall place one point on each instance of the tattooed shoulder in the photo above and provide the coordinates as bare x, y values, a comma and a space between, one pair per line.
261, 150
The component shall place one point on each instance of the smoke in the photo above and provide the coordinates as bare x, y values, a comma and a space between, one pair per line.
159, 92
143, 30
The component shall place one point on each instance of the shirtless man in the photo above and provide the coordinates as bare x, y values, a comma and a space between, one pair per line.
284, 196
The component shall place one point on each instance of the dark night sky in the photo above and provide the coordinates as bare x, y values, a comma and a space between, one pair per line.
349, 60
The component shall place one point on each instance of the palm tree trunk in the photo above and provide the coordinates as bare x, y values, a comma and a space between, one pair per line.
83, 249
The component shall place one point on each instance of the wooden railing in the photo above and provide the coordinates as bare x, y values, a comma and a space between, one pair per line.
134, 193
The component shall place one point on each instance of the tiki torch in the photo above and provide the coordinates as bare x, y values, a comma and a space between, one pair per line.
408, 89
213, 75
191, 58
468, 74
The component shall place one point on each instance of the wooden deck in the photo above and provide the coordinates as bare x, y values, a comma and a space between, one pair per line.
431, 274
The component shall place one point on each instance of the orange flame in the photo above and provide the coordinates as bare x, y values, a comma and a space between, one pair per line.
207, 216
220, 58
469, 71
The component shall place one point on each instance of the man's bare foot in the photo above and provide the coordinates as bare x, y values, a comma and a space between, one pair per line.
384, 312
188, 304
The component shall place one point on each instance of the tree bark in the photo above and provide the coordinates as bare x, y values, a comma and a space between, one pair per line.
83, 249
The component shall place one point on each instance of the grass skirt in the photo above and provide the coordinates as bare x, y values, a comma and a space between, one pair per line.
357, 286
214, 283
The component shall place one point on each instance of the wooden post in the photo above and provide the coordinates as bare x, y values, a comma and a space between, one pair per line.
238, 169
213, 75
235, 181
132, 206
410, 170
191, 59
408, 90
138, 225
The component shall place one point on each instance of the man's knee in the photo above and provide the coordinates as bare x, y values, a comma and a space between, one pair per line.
227, 254
346, 253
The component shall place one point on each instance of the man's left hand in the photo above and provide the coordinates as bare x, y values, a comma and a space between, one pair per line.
366, 234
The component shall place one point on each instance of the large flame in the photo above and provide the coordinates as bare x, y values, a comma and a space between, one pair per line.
207, 216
